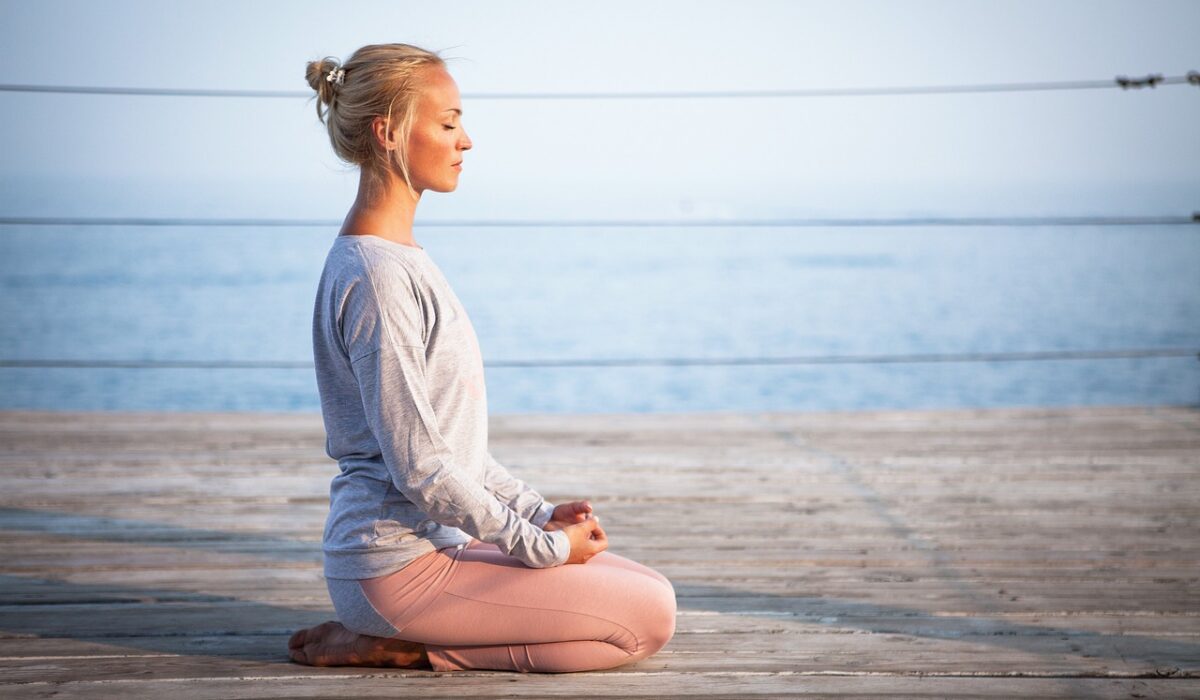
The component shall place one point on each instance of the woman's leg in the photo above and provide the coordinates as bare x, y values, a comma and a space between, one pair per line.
496, 613
609, 558
361, 636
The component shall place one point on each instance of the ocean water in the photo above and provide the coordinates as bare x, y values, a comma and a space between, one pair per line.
238, 294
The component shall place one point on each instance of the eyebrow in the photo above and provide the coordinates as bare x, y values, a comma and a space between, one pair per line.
454, 109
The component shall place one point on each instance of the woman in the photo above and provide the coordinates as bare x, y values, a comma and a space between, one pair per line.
435, 555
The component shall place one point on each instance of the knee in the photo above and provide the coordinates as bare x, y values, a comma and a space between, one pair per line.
658, 620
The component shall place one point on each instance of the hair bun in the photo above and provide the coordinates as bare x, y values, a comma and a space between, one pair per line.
317, 74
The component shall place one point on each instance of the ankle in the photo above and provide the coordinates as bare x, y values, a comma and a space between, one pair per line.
399, 653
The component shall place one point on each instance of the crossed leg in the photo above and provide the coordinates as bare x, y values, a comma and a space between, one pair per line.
497, 613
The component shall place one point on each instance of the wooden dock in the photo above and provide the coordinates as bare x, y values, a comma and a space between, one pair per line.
980, 553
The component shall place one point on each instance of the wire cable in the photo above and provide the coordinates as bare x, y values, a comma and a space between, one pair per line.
1119, 82
1157, 220
646, 362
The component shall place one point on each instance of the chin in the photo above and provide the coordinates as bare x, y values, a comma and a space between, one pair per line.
445, 186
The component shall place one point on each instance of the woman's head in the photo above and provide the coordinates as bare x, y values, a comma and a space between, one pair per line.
392, 110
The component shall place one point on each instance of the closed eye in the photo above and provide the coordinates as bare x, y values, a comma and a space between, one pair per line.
448, 126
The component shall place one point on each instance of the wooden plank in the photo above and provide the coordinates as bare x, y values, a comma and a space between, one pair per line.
988, 553
328, 683
878, 654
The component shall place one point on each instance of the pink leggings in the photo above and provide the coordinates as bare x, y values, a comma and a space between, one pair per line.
474, 607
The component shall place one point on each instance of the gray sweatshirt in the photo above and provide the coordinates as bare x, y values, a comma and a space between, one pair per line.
402, 394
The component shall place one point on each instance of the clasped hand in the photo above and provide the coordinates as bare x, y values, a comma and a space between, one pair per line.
587, 537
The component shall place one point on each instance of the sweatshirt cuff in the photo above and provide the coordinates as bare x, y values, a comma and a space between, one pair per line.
543, 514
562, 545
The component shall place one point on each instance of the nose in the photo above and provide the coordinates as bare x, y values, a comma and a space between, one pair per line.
464, 143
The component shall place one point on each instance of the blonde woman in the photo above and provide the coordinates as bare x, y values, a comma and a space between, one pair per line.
435, 555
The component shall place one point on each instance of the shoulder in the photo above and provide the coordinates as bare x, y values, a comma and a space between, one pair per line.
377, 271
382, 297
360, 254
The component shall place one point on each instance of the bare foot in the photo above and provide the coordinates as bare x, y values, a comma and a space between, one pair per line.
331, 644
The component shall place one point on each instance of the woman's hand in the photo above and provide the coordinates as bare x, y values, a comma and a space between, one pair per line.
568, 514
587, 540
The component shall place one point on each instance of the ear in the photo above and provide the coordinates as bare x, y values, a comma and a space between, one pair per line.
386, 141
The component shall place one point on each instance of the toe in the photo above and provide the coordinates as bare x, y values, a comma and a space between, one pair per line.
297, 639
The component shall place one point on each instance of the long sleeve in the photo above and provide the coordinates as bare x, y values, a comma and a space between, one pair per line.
516, 494
384, 337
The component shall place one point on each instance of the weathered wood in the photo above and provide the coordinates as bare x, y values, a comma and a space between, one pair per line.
879, 653
986, 553
333, 683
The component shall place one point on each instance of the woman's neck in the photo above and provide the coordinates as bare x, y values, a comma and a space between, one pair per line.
388, 214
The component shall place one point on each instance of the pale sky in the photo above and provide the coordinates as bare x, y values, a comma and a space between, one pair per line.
1071, 153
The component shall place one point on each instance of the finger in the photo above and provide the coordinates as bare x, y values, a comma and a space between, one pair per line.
587, 526
599, 544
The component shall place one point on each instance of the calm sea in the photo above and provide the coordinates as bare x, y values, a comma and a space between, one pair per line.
536, 295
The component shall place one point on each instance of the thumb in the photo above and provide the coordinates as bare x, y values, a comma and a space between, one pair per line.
599, 539
582, 510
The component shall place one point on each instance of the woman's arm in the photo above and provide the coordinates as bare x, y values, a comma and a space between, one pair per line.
383, 328
423, 467
516, 494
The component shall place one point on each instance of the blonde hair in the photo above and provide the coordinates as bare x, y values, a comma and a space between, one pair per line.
377, 81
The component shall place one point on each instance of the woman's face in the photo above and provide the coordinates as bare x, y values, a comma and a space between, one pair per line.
437, 140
